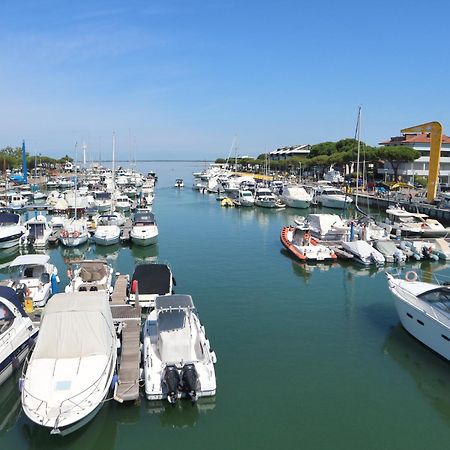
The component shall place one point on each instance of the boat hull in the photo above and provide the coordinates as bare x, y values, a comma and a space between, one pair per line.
74, 242
10, 241
143, 242
424, 328
295, 203
106, 240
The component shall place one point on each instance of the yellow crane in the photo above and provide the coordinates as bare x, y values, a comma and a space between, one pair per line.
435, 130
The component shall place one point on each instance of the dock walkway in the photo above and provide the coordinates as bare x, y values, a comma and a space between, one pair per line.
129, 316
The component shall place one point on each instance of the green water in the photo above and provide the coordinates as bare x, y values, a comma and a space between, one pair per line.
310, 358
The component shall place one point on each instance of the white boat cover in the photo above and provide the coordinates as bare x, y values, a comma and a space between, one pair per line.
75, 325
364, 250
30, 259
325, 222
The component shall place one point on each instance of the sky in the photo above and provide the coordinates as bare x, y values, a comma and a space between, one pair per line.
183, 79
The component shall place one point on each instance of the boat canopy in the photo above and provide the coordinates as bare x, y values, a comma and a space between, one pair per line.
9, 218
75, 325
92, 271
11, 295
25, 260
147, 217
153, 279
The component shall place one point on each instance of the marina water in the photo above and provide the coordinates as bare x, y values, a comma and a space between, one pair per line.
308, 357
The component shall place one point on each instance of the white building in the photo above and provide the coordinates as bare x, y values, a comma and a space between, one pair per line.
421, 143
289, 152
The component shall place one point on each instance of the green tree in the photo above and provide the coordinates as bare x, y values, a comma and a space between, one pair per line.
396, 155
324, 148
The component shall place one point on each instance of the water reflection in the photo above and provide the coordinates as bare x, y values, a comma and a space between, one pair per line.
428, 370
9, 404
182, 415
147, 254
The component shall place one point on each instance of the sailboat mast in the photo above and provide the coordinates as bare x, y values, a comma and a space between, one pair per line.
113, 171
358, 137
76, 178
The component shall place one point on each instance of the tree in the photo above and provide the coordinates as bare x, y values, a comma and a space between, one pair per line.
396, 155
324, 148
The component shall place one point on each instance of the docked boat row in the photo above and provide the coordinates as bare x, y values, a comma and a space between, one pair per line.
79, 342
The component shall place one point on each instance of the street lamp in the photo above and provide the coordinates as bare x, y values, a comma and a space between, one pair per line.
385, 175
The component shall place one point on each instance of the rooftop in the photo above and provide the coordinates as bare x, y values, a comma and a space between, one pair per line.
413, 138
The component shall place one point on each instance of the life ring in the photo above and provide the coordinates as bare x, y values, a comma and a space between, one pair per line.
424, 225
411, 276
76, 234
64, 233
27, 292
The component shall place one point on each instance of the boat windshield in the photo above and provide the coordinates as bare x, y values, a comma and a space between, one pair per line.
439, 297
6, 318
409, 219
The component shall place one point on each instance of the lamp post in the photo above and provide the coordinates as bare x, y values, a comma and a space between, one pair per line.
385, 175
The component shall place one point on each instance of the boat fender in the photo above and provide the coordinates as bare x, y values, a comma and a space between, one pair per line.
114, 381
134, 286
411, 276
21, 383
54, 284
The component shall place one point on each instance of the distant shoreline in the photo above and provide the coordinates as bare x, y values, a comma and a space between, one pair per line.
159, 160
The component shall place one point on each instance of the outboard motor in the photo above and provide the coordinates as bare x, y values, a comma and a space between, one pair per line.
189, 379
171, 379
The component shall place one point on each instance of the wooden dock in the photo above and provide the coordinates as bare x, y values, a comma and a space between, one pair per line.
128, 319
126, 231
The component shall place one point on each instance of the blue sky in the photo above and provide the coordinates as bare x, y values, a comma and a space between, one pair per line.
184, 77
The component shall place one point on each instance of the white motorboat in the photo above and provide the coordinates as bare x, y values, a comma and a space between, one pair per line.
424, 311
17, 333
364, 253
122, 203
103, 201
442, 249
39, 196
331, 197
245, 198
265, 198
144, 230
11, 231
16, 201
58, 220
325, 227
34, 278
179, 183
38, 230
390, 251
414, 224
90, 275
71, 369
107, 230
74, 233
178, 359
296, 197
150, 281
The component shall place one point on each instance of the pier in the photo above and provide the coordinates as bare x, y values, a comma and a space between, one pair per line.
128, 319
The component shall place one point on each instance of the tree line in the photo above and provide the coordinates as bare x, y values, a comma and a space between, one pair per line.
338, 154
11, 158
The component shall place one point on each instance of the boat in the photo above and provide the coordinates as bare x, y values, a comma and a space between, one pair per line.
39, 196
144, 230
409, 224
390, 251
74, 233
419, 249
227, 202
364, 253
89, 276
325, 227
424, 310
38, 230
178, 359
103, 201
11, 230
331, 197
17, 333
265, 198
304, 247
16, 201
179, 183
150, 281
71, 369
333, 176
107, 230
34, 278
442, 249
296, 197
122, 203
245, 198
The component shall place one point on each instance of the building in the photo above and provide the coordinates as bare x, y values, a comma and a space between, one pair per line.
289, 152
421, 143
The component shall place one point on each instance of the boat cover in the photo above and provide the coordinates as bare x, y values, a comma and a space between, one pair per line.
386, 247
24, 260
146, 217
9, 218
75, 325
153, 279
92, 271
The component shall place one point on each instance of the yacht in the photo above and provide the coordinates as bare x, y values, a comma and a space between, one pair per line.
107, 230
245, 198
38, 230
122, 203
424, 311
34, 278
11, 231
331, 197
16, 201
71, 369
144, 230
17, 333
150, 281
410, 224
74, 233
265, 198
90, 275
103, 201
178, 359
296, 197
